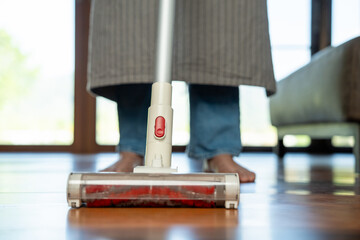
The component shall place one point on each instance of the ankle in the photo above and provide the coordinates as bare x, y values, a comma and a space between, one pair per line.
219, 159
131, 156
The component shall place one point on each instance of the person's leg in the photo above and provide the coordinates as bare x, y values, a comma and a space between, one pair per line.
215, 128
133, 101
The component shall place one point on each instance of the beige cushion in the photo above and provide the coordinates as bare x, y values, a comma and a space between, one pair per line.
325, 90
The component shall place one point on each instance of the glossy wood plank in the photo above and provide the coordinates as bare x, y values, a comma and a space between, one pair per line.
303, 197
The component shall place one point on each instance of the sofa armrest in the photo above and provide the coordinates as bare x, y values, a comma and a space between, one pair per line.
325, 90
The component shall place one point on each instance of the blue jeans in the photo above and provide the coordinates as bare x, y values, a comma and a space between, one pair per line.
214, 119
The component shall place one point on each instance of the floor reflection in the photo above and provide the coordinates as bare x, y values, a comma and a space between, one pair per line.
157, 223
320, 178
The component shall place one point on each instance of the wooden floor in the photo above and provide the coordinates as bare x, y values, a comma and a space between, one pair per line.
302, 197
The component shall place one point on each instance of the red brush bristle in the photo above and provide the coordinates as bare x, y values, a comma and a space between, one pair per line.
200, 189
100, 203
123, 196
97, 188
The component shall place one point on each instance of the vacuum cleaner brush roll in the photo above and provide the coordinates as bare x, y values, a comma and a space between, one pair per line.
153, 190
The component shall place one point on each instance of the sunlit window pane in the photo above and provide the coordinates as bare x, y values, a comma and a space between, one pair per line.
342, 141
256, 129
289, 26
346, 20
288, 60
289, 22
36, 72
180, 101
297, 141
107, 128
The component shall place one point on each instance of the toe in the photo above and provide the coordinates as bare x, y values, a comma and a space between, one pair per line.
244, 180
252, 177
246, 176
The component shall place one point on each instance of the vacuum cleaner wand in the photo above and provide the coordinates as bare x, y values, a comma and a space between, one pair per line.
160, 113
156, 184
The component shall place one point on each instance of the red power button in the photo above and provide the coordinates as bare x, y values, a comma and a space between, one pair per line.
160, 127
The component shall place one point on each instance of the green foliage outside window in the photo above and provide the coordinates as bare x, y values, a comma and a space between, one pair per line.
16, 77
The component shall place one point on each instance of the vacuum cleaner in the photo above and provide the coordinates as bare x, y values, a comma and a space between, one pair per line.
156, 184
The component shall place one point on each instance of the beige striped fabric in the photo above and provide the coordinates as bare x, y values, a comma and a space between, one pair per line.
216, 42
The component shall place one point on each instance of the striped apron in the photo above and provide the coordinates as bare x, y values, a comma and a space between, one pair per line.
216, 42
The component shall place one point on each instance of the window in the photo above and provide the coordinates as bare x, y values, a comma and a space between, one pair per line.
290, 35
36, 72
346, 21
289, 26
107, 128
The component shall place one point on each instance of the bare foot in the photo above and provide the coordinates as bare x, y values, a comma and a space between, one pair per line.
126, 163
224, 163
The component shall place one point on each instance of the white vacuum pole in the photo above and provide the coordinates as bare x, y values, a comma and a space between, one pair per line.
165, 41
160, 114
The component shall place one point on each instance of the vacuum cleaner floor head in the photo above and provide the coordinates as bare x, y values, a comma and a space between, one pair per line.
153, 190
